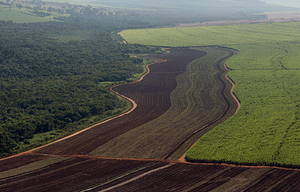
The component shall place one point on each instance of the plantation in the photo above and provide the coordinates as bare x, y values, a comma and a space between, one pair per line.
266, 73
22, 15
229, 35
196, 100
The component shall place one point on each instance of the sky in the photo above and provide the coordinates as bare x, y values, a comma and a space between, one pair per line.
290, 3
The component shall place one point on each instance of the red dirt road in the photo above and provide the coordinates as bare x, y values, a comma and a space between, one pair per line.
231, 90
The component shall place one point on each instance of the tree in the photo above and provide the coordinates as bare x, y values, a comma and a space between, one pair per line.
19, 6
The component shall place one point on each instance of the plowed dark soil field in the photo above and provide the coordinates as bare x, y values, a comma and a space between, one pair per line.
69, 175
19, 161
152, 96
186, 177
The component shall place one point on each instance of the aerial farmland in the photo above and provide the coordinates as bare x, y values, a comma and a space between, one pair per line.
124, 96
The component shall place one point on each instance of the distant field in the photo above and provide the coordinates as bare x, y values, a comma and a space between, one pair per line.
230, 35
93, 4
266, 130
24, 16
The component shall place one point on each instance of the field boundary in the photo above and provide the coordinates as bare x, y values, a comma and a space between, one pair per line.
231, 90
176, 162
134, 106
182, 158
167, 155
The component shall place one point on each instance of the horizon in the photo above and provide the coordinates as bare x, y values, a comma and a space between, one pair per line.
287, 3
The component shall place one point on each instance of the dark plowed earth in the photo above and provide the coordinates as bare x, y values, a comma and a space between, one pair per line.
152, 96
128, 177
181, 177
223, 112
289, 184
220, 179
270, 179
19, 161
184, 177
70, 175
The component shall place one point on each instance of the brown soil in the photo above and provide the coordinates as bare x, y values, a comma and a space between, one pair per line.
20, 160
152, 96
69, 175
215, 120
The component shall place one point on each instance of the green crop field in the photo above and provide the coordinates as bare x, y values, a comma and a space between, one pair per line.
266, 129
23, 15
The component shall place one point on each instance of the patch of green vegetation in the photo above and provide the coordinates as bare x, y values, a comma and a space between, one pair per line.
96, 5
266, 129
47, 137
23, 15
146, 61
229, 35
53, 86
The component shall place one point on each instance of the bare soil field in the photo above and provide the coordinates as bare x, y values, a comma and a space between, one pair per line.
97, 174
152, 96
19, 161
70, 175
199, 101
79, 171
187, 177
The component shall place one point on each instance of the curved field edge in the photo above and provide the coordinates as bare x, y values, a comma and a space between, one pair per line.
195, 102
266, 129
152, 96
131, 105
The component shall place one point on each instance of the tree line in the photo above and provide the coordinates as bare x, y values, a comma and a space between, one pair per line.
50, 81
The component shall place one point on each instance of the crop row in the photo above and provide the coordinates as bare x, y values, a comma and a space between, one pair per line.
196, 102
152, 96
71, 174
265, 131
184, 177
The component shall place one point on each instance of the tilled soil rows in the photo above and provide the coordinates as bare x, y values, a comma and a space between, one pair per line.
92, 174
19, 161
187, 177
152, 96
70, 175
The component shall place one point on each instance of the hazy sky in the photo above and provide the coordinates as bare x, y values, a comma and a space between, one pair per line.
291, 3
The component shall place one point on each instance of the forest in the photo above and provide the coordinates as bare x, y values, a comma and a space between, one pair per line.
52, 80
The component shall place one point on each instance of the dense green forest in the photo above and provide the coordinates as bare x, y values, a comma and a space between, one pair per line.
51, 75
